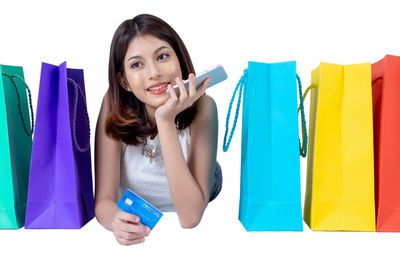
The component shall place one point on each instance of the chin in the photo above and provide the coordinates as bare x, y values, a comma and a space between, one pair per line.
159, 101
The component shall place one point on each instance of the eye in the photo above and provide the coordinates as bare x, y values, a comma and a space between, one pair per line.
163, 56
136, 65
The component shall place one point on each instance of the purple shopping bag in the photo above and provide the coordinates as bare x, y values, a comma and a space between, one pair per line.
60, 192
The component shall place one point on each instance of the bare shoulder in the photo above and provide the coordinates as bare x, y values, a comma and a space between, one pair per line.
104, 110
105, 106
101, 122
207, 108
207, 115
103, 114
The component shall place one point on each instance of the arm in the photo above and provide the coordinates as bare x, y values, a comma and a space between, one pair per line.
125, 226
189, 182
107, 170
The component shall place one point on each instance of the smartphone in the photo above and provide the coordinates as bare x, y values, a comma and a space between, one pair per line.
216, 73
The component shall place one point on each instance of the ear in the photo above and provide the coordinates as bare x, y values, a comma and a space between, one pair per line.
122, 81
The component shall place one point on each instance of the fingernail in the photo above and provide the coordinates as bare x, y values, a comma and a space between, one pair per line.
178, 79
147, 230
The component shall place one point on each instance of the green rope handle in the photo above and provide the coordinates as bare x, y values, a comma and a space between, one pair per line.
11, 77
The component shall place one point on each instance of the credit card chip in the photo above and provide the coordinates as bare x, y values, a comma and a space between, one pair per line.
128, 201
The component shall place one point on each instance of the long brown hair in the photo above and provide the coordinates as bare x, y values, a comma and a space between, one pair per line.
126, 120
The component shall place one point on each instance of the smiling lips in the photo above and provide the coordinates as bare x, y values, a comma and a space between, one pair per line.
158, 88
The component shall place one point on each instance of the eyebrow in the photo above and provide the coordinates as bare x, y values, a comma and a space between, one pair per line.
155, 52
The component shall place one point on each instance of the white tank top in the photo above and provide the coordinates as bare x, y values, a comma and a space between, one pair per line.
147, 177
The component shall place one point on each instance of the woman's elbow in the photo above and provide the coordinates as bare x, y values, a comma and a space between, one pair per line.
188, 224
190, 221
190, 215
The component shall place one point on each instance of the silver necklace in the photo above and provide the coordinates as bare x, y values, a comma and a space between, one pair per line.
150, 150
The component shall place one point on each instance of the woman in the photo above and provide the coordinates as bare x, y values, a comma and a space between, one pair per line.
160, 145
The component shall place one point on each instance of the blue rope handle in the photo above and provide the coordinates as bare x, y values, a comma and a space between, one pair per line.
242, 82
303, 148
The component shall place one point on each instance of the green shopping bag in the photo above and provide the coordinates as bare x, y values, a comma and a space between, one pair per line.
15, 146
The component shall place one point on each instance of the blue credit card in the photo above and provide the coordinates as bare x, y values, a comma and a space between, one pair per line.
134, 204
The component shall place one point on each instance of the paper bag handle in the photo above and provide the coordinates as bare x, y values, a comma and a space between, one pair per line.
303, 145
242, 83
313, 85
11, 77
376, 79
78, 91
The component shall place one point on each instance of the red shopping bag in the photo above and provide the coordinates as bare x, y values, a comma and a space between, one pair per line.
386, 101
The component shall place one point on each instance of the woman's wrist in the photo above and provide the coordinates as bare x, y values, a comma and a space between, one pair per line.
162, 122
106, 211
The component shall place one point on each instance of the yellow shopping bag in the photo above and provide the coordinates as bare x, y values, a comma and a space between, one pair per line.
340, 166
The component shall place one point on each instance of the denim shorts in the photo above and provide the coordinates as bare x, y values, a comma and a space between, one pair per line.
217, 186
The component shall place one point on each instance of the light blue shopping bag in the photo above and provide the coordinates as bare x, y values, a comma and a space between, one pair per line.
270, 197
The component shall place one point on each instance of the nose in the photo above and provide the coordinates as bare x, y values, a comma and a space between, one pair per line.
153, 71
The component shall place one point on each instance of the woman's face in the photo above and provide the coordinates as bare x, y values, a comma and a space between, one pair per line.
150, 64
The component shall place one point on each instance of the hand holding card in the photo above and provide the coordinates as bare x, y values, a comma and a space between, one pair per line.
134, 204
128, 230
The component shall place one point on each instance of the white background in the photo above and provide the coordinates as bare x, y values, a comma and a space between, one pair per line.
215, 32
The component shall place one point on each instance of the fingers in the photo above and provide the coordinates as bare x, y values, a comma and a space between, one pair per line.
130, 234
192, 85
183, 95
132, 228
175, 104
204, 86
172, 93
127, 217
193, 93
128, 230
130, 242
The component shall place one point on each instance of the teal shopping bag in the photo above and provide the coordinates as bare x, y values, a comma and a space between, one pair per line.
15, 146
270, 197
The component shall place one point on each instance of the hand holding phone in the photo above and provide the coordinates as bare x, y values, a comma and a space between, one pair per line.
216, 73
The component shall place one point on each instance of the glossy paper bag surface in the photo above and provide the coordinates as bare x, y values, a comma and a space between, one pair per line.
340, 171
15, 148
60, 191
386, 97
270, 173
